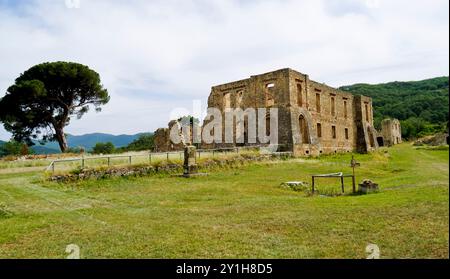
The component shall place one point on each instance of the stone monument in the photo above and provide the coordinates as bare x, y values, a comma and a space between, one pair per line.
190, 163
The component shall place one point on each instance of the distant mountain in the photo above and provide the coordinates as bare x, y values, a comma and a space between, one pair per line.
2, 142
86, 141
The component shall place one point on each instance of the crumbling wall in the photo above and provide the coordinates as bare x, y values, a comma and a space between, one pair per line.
163, 142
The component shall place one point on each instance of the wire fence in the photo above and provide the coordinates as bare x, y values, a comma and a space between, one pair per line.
143, 158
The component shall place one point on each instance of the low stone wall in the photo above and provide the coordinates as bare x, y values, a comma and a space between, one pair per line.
147, 170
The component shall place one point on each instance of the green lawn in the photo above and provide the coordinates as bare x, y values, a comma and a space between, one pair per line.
235, 213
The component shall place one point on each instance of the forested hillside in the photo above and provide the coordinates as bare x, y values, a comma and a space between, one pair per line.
422, 106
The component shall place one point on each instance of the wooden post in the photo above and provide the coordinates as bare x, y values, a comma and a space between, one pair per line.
354, 183
150, 158
109, 161
313, 185
53, 167
129, 160
167, 156
342, 184
82, 163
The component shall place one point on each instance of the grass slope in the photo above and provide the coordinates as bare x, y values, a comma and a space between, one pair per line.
235, 213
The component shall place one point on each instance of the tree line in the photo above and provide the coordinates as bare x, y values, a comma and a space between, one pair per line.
421, 106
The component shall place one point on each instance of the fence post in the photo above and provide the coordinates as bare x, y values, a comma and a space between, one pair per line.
150, 158
167, 156
82, 163
53, 167
109, 161
129, 160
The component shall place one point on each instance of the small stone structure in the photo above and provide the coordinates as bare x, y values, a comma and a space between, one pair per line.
190, 163
391, 133
368, 186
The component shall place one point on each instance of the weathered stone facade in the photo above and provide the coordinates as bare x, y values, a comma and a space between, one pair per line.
391, 133
313, 118
162, 139
185, 132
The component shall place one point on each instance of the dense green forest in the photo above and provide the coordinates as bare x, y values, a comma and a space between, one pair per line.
421, 106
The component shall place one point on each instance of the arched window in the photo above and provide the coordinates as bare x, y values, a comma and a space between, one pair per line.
303, 129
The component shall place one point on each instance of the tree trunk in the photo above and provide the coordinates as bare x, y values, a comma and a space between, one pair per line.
61, 139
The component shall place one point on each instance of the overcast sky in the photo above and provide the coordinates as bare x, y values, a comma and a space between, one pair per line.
154, 56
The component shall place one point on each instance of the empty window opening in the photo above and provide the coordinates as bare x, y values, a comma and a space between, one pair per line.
333, 106
319, 130
226, 100
333, 131
380, 141
303, 129
239, 97
318, 102
345, 109
269, 94
299, 95
346, 133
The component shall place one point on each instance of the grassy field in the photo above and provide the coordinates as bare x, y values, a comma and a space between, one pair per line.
235, 213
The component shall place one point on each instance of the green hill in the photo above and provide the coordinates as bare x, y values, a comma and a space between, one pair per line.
416, 103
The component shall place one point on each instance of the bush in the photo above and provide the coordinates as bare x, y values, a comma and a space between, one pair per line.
14, 148
144, 142
104, 148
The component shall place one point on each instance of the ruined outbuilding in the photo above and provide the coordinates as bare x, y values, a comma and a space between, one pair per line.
391, 133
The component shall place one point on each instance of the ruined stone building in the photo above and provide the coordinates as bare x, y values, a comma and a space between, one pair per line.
391, 133
313, 118
184, 130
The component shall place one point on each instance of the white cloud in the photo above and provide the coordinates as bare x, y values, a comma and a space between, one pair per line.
154, 56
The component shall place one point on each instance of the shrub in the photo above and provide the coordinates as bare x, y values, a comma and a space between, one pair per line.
103, 148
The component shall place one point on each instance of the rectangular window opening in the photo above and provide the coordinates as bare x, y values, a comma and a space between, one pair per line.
319, 130
318, 102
